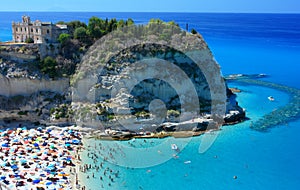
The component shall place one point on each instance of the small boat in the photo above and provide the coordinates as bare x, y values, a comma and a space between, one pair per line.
174, 147
271, 98
188, 162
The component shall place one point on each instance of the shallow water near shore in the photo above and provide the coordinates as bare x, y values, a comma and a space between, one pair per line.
259, 160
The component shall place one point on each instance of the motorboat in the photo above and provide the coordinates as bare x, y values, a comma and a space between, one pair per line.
174, 147
271, 98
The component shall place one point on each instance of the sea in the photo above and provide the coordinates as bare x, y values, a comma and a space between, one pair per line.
240, 157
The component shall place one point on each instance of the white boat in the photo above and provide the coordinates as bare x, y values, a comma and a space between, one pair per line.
271, 98
188, 162
174, 147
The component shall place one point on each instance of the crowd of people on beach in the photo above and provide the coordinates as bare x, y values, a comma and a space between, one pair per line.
38, 158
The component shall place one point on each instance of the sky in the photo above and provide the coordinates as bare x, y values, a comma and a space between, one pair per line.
233, 6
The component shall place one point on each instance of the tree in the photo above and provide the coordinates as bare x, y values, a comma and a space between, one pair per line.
63, 38
48, 66
80, 33
121, 23
112, 24
76, 24
94, 27
193, 31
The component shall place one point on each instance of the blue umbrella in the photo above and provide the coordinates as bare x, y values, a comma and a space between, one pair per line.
23, 161
67, 145
14, 167
36, 181
50, 168
36, 144
75, 141
5, 145
48, 183
3, 177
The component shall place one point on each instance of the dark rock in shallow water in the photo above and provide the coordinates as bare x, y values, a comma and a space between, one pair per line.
235, 116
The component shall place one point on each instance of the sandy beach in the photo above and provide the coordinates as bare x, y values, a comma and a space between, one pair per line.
39, 158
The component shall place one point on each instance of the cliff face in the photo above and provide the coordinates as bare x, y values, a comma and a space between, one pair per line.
148, 73
24, 99
25, 86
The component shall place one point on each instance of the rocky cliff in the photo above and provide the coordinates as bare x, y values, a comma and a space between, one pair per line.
143, 73
26, 86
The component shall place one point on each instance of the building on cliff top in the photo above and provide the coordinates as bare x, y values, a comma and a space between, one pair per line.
39, 32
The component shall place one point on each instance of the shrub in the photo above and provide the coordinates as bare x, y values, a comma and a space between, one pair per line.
63, 38
80, 33
173, 113
22, 112
142, 114
48, 66
29, 40
193, 31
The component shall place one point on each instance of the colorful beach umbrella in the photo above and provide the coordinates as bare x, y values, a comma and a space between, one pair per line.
67, 145
14, 167
36, 181
75, 141
48, 183
5, 145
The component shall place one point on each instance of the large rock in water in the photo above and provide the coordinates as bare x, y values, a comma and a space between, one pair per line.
130, 68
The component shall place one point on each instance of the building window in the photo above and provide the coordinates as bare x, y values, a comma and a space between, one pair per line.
31, 30
21, 29
36, 30
16, 29
25, 29
48, 31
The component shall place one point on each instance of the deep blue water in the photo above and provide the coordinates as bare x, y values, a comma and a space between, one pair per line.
241, 43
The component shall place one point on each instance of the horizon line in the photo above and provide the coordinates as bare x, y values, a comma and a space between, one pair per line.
225, 12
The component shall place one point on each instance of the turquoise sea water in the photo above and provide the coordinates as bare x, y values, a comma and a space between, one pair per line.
260, 160
241, 43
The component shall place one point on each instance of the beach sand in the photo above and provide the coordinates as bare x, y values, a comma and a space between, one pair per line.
39, 158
